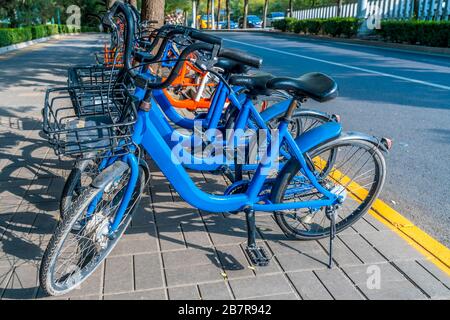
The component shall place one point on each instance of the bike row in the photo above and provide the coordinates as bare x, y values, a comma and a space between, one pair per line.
247, 125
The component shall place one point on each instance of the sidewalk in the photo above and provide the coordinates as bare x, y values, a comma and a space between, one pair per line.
173, 251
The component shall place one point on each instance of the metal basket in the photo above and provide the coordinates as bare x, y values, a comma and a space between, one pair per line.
103, 125
82, 76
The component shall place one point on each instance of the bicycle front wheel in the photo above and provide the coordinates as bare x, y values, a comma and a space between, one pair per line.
73, 254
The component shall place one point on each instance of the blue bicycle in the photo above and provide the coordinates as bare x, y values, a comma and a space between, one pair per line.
310, 188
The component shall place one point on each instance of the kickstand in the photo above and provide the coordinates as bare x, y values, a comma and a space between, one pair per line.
257, 255
332, 216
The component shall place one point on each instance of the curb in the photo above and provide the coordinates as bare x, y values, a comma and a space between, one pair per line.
438, 51
26, 44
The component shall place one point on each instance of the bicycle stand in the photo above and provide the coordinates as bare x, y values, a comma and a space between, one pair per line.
257, 255
331, 215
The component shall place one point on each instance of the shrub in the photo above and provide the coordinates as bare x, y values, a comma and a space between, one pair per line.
337, 27
284, 25
9, 36
428, 33
300, 26
12, 36
314, 26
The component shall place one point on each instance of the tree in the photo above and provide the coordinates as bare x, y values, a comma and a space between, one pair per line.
266, 7
218, 11
339, 7
227, 4
290, 9
244, 22
153, 10
208, 9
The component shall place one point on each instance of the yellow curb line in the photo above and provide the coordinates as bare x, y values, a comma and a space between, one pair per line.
435, 251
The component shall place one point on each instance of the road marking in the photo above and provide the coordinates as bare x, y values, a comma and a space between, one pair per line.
435, 251
343, 65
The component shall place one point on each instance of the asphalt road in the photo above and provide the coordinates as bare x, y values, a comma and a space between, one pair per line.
397, 94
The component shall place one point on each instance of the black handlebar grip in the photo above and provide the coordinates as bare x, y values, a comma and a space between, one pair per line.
204, 37
241, 56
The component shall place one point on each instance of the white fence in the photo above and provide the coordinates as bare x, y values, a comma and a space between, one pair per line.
393, 9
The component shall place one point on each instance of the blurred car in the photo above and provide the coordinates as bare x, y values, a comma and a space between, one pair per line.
274, 16
224, 25
252, 22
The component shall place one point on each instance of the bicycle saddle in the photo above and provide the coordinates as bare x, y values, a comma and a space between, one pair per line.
231, 66
315, 85
143, 57
256, 84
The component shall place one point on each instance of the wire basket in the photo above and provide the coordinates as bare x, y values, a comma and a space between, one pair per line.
82, 76
103, 128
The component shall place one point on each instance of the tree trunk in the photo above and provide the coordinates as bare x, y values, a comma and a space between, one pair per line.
208, 8
218, 11
153, 10
339, 7
227, 4
244, 22
266, 6
291, 8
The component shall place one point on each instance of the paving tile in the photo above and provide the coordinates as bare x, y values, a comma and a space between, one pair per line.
118, 275
144, 214
438, 273
196, 235
234, 262
392, 246
281, 296
147, 271
189, 257
175, 213
342, 255
137, 241
23, 283
363, 226
338, 285
280, 247
362, 249
424, 279
192, 275
158, 294
171, 237
309, 286
260, 286
392, 284
214, 291
303, 261
184, 293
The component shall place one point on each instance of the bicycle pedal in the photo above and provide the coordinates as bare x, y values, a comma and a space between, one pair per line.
258, 256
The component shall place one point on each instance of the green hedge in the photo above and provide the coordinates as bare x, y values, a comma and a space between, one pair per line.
10, 36
427, 33
334, 27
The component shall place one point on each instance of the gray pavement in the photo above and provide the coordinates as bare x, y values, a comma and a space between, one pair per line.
397, 94
173, 251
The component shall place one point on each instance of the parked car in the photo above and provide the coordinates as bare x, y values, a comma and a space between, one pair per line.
252, 22
224, 25
274, 16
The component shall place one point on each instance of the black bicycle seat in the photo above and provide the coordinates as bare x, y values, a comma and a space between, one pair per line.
143, 57
315, 85
256, 84
231, 66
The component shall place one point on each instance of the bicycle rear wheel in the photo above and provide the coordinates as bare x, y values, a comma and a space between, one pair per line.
73, 254
357, 173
